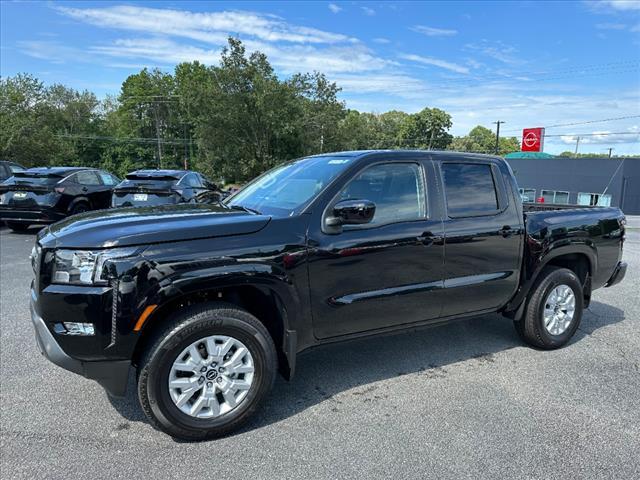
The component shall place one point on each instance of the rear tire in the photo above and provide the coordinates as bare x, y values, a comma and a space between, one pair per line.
79, 208
194, 326
554, 309
18, 227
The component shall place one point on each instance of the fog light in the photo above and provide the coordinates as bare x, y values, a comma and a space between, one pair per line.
75, 328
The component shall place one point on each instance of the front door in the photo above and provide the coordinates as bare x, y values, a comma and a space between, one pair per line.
385, 273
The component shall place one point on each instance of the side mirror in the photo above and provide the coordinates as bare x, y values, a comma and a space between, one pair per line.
353, 212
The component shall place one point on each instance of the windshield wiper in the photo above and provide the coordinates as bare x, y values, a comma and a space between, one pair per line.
243, 208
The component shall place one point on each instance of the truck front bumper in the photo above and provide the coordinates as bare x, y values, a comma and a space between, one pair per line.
112, 375
618, 274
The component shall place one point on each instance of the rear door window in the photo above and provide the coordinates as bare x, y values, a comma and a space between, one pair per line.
469, 189
87, 178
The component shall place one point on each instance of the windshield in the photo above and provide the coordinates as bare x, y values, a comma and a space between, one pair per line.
284, 189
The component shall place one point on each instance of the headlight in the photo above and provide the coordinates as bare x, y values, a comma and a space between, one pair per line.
82, 267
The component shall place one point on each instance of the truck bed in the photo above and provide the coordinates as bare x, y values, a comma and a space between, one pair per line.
537, 207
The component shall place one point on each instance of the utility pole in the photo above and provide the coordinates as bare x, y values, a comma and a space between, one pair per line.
610, 149
186, 150
575, 155
498, 135
156, 116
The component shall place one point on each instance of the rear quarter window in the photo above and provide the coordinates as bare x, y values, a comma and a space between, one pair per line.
108, 179
469, 189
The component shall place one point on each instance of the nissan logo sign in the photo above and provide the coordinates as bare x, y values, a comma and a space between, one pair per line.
531, 139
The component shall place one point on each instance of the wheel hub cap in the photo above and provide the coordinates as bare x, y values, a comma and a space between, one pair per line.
211, 377
559, 310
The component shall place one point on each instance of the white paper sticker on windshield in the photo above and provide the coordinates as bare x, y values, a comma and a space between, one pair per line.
338, 162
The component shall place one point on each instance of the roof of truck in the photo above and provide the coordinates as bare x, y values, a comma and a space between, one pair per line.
435, 153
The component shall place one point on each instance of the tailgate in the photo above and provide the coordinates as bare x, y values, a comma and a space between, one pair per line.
23, 195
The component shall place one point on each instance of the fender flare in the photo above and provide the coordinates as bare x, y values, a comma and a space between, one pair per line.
259, 276
78, 200
587, 249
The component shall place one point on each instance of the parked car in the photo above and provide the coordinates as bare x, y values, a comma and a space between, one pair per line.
207, 302
7, 169
48, 194
160, 187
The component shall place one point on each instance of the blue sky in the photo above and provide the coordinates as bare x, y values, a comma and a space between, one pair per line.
527, 63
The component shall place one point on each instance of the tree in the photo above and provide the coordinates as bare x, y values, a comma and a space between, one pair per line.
231, 121
482, 140
47, 125
322, 112
426, 129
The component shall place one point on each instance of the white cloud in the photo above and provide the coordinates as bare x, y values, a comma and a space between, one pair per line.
334, 8
601, 137
382, 40
619, 5
434, 32
353, 58
211, 27
157, 49
454, 67
611, 26
368, 11
496, 50
398, 84
290, 48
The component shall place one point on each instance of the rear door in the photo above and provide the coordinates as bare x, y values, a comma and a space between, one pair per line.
483, 236
91, 186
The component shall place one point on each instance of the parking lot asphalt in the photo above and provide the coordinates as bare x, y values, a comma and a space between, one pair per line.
465, 400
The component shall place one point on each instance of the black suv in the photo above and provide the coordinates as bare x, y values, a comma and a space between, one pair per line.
161, 187
48, 194
7, 169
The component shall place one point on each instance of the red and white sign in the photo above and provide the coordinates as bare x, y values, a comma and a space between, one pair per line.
533, 139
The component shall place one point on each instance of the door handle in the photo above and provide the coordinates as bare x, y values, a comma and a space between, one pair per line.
506, 231
428, 238
85, 189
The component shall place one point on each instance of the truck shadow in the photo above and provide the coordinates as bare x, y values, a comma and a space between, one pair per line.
327, 374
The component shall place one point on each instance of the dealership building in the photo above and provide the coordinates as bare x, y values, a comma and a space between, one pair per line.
578, 181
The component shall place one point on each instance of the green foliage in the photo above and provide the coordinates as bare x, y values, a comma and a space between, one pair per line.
482, 140
426, 129
590, 155
231, 121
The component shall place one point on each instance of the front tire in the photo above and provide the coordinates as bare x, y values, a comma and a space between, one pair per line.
207, 372
554, 309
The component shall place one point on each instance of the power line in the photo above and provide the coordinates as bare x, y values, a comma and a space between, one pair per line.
148, 140
584, 123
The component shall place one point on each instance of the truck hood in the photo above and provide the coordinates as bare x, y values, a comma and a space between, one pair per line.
146, 225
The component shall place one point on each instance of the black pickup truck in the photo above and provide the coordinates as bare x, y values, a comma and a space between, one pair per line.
208, 302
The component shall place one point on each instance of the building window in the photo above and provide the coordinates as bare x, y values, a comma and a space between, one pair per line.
528, 194
594, 199
562, 197
553, 196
